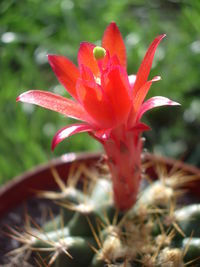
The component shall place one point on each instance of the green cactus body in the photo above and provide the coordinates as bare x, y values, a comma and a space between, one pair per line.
192, 245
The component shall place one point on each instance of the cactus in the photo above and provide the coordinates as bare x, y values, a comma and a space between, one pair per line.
91, 231
112, 222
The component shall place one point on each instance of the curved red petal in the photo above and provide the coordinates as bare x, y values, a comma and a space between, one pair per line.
146, 64
112, 41
86, 58
154, 102
56, 103
141, 94
68, 131
66, 72
116, 87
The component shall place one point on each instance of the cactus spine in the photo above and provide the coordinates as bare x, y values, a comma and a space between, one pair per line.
92, 232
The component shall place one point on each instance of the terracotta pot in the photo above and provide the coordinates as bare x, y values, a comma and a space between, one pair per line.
40, 178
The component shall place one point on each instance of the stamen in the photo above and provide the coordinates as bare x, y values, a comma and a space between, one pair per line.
99, 52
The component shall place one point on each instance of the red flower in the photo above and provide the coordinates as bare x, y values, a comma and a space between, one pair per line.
105, 97
109, 103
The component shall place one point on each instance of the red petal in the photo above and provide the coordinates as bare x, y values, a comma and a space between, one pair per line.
140, 127
66, 72
154, 102
139, 98
92, 98
68, 131
87, 75
112, 41
102, 135
86, 58
56, 103
116, 87
146, 64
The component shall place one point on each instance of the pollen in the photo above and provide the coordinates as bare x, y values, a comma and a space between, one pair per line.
99, 52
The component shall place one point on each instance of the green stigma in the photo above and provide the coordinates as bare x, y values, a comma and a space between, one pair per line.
99, 52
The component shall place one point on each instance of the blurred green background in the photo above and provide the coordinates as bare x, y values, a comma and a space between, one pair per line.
30, 29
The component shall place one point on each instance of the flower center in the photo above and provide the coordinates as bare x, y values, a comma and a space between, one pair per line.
99, 52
